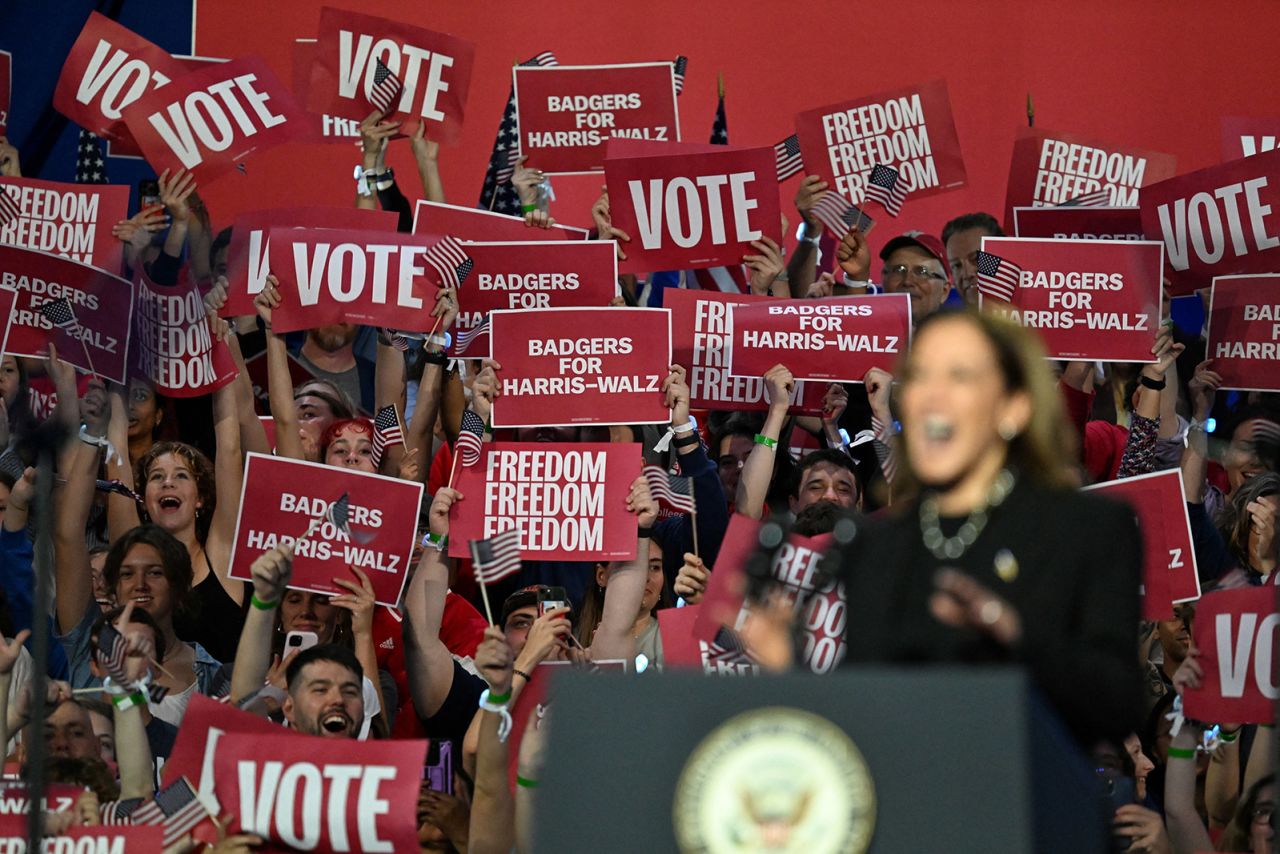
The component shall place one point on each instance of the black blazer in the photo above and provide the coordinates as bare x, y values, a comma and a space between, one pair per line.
1078, 559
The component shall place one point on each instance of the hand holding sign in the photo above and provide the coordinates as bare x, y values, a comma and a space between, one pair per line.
174, 192
641, 503
358, 600
765, 265
604, 222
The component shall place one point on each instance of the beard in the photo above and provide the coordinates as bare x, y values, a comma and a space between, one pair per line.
332, 338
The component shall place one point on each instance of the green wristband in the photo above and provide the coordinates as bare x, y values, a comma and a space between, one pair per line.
260, 605
499, 699
1181, 753
526, 782
528, 208
1228, 737
761, 439
124, 702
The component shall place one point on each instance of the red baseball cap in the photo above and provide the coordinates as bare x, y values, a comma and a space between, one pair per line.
927, 242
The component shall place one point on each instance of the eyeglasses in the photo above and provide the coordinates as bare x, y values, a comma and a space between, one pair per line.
920, 272
1263, 812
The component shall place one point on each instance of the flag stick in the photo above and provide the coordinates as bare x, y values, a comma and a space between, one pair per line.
87, 357
693, 518
453, 467
720, 83
484, 594
97, 690
1031, 112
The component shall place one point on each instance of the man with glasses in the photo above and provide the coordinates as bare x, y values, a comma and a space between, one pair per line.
916, 264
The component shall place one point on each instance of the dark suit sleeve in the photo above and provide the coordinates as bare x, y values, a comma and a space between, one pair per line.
675, 534
1090, 671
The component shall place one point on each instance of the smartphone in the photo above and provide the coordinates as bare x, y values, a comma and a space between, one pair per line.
438, 770
551, 598
300, 641
148, 192
1116, 792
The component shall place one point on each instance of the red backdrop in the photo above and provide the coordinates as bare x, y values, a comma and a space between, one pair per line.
1146, 74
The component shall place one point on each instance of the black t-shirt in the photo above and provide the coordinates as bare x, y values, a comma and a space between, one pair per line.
456, 712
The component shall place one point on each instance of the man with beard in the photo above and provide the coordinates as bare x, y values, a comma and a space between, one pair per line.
326, 692
329, 353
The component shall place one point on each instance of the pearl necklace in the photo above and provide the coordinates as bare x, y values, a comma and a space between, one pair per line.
950, 548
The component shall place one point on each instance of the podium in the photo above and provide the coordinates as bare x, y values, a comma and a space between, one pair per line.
955, 760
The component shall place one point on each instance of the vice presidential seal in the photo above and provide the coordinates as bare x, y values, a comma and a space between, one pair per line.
777, 780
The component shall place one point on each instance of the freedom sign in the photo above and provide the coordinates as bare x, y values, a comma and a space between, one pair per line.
687, 207
434, 68
107, 69
1078, 223
1088, 299
1235, 631
120, 839
248, 255
568, 500
1244, 331
209, 121
836, 339
700, 343
101, 303
342, 276
564, 367
795, 568
473, 224
279, 500
1245, 137
71, 220
1169, 573
172, 346
1050, 168
1219, 221
321, 794
567, 113
909, 129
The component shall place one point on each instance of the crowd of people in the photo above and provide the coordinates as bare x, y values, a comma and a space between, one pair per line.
977, 449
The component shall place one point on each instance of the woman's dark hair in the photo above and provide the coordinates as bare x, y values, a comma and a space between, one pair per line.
21, 419
1234, 521
138, 616
201, 470
592, 609
1236, 835
91, 772
173, 557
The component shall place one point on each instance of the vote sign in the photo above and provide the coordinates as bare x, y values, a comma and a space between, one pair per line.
837, 339
566, 114
341, 276
547, 274
1244, 136
248, 256
1088, 299
434, 68
1169, 560
439, 219
1244, 331
1235, 631
691, 210
71, 220
1218, 221
321, 794
572, 366
568, 500
210, 120
279, 500
1078, 223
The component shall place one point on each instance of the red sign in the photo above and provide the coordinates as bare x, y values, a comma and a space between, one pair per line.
1244, 331
71, 220
203, 724
321, 794
102, 305
1169, 559
256, 367
15, 798
1235, 631
142, 839
1245, 137
435, 69
571, 366
211, 120
473, 224
837, 339
331, 276
685, 207
700, 344
1088, 299
280, 499
6, 89
325, 126
548, 274
1218, 221
682, 648
107, 69
124, 145
795, 567
1050, 168
566, 114
248, 259
172, 346
909, 129
1078, 223
569, 501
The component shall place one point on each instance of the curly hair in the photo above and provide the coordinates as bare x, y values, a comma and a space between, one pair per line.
201, 468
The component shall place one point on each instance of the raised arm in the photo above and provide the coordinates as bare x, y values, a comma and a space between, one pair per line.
493, 808
625, 588
427, 659
1195, 458
374, 133
122, 511
70, 556
1186, 831
10, 650
1140, 446
253, 437
426, 153
133, 751
757, 471
253, 655
279, 381
802, 269
228, 469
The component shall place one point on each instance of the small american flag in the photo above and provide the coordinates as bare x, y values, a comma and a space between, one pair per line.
396, 339
339, 512
997, 277
672, 491
497, 557
176, 807
840, 215
465, 339
386, 88
9, 209
118, 813
386, 432
470, 438
111, 652
787, 156
1096, 199
681, 66
509, 132
884, 187
60, 314
449, 261
156, 692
